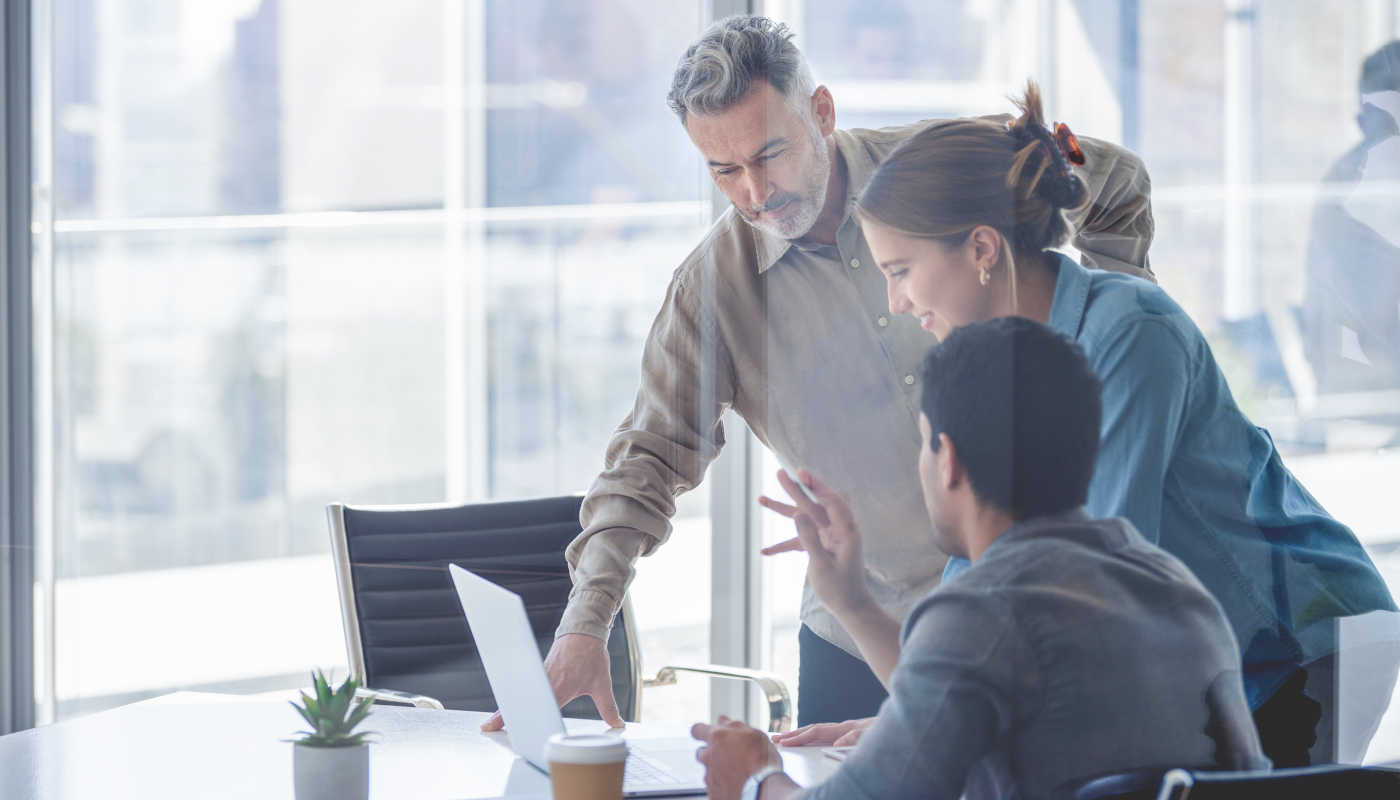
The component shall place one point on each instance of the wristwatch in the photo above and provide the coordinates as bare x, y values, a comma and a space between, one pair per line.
751, 786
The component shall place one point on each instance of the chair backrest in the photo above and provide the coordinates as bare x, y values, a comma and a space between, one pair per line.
1301, 783
404, 627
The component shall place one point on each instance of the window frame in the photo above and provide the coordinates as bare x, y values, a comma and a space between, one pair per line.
17, 564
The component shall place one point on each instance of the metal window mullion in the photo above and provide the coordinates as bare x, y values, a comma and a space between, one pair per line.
735, 580
1046, 53
1129, 72
735, 588
1239, 290
43, 356
17, 706
464, 252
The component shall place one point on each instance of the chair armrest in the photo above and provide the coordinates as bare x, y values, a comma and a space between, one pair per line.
774, 690
395, 697
1176, 785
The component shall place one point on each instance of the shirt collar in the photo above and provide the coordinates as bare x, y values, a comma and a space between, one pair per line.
859, 167
1071, 297
1035, 526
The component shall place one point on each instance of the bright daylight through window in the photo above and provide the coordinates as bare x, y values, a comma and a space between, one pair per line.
305, 251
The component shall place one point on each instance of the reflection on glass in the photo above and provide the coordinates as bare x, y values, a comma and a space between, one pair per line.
944, 40
1353, 262
579, 114
1276, 238
229, 359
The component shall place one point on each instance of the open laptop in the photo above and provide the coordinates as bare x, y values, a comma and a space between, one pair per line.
513, 667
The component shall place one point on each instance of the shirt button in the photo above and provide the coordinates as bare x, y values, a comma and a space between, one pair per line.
908, 380
855, 263
882, 321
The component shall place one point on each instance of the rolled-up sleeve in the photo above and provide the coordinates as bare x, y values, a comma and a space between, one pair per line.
951, 699
660, 450
1114, 231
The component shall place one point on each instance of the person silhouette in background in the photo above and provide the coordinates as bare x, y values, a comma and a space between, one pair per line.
1352, 307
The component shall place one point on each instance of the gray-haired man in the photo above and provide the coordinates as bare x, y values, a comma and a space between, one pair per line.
780, 314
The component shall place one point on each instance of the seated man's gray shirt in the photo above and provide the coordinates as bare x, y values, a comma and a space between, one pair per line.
1072, 649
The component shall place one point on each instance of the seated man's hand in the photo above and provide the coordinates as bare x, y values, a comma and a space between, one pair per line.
827, 531
577, 664
732, 752
838, 734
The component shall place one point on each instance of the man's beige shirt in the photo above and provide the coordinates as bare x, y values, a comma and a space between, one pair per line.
799, 341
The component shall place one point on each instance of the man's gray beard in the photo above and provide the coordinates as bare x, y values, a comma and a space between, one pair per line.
812, 200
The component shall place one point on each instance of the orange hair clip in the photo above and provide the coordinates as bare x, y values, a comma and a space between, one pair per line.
1069, 145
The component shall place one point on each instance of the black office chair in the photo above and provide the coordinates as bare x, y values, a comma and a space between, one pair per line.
1138, 784
406, 637
1300, 783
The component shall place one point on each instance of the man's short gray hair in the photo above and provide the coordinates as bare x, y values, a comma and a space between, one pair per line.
718, 70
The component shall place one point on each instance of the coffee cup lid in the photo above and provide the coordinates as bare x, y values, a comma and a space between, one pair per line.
586, 748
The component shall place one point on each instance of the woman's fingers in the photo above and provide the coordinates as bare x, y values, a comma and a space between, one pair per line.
848, 738
820, 733
799, 737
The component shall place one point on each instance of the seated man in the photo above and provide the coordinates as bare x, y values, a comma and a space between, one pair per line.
1071, 647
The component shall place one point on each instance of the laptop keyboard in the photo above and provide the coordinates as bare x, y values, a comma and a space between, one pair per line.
642, 770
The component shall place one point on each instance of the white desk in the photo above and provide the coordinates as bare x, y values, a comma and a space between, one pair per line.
189, 745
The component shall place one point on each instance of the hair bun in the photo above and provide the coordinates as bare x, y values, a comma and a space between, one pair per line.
1062, 189
1053, 179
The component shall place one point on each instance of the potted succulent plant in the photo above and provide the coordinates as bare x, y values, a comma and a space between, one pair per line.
330, 760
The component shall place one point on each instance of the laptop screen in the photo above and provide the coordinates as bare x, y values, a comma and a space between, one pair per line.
512, 662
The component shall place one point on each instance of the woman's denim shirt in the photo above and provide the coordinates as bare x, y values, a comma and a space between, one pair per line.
1181, 461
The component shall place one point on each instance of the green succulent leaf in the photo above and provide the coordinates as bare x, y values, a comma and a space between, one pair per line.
323, 690
333, 713
358, 715
306, 715
339, 704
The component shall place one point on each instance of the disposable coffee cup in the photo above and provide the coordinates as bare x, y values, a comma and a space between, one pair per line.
586, 766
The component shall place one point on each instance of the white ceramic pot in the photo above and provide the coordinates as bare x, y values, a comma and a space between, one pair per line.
331, 773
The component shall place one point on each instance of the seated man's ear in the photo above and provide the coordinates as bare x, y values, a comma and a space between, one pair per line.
950, 469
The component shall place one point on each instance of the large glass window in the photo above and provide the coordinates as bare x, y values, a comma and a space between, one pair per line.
312, 251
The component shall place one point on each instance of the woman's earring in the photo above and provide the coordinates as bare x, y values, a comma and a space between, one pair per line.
985, 277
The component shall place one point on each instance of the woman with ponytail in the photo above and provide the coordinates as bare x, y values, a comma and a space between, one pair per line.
961, 220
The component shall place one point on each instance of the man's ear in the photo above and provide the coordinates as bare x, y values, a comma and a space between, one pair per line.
950, 469
824, 110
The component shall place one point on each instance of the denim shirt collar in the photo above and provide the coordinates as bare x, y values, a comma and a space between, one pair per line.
1071, 297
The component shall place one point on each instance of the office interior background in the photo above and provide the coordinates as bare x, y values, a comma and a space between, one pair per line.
287, 252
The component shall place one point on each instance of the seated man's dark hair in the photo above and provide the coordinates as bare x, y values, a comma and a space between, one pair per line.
1380, 72
1022, 407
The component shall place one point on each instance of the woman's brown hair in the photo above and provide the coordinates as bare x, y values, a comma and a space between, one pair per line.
954, 176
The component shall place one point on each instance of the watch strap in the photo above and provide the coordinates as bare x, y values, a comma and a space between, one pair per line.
755, 781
